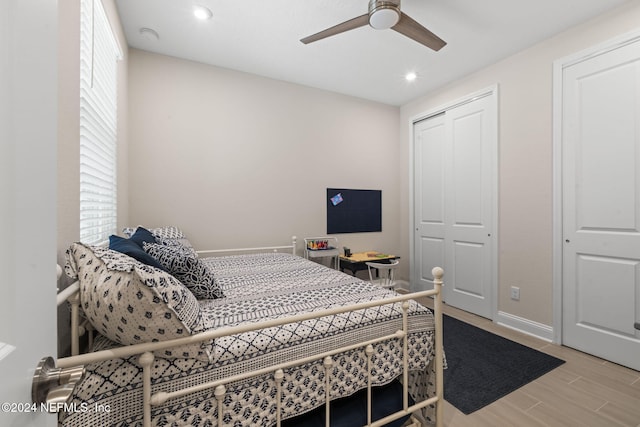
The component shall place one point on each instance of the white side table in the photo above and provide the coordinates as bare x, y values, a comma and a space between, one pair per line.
322, 247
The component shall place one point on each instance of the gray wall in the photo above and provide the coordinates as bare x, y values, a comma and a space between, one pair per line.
238, 160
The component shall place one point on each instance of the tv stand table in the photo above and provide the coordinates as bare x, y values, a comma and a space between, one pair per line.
357, 261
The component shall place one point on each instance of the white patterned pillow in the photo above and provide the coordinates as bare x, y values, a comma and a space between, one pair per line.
132, 303
170, 234
185, 265
184, 243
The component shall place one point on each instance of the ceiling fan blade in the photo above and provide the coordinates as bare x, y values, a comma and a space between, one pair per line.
351, 24
412, 29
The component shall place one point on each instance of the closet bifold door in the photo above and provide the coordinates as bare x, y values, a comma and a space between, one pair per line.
455, 192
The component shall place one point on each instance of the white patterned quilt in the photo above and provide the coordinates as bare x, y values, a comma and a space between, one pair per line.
259, 287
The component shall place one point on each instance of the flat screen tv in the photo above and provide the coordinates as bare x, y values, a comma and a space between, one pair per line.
353, 211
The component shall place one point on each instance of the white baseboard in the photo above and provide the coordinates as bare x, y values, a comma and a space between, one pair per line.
526, 326
403, 285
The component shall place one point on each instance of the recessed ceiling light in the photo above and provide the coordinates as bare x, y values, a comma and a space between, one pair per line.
202, 12
411, 76
149, 34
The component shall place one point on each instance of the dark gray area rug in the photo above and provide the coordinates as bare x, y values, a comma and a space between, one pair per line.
483, 367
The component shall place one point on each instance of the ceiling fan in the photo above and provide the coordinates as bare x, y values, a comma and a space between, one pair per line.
384, 14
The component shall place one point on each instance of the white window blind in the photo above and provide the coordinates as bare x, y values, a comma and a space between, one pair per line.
99, 54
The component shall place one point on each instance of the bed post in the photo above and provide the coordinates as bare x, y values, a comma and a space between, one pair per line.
74, 301
437, 305
145, 360
219, 394
278, 376
71, 295
369, 352
294, 242
327, 363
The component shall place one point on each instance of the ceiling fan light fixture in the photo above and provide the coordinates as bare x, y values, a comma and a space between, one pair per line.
384, 17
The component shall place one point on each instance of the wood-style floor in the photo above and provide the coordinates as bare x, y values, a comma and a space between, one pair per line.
585, 391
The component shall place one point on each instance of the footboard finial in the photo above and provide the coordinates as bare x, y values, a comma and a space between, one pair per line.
437, 273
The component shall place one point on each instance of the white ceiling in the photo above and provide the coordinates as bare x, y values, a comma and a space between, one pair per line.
263, 37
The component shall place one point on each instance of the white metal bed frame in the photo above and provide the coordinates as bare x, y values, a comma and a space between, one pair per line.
146, 357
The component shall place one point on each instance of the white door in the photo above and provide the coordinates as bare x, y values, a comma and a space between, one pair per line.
455, 157
429, 201
601, 205
28, 127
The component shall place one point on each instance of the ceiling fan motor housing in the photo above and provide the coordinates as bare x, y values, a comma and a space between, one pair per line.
384, 14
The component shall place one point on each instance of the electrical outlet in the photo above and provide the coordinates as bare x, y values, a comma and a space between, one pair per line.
515, 293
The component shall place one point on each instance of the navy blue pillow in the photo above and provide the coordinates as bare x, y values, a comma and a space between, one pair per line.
131, 248
143, 235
